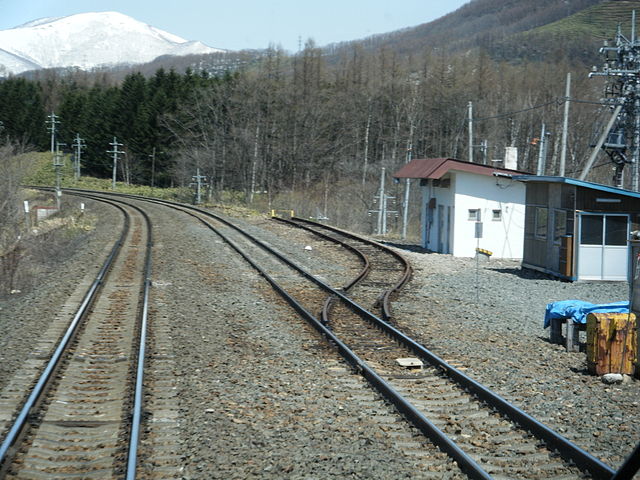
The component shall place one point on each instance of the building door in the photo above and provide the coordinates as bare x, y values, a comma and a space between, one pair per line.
603, 251
428, 225
448, 244
441, 229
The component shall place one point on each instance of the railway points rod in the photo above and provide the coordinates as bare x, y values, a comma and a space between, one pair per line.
386, 296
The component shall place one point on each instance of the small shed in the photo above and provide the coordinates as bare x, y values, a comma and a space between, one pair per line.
578, 230
461, 200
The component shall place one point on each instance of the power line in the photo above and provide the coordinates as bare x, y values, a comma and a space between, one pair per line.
509, 114
557, 101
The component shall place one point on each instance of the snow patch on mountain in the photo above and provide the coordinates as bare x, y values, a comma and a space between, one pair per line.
89, 40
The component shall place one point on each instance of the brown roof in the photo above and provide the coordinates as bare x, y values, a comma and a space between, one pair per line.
436, 167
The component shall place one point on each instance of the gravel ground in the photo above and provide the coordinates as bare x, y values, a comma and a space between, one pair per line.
488, 319
257, 394
61, 264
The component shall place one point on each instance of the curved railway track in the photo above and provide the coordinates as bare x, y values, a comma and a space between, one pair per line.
383, 274
82, 417
437, 401
480, 431
483, 432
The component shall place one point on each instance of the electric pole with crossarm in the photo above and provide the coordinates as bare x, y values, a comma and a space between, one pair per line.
78, 144
199, 183
52, 122
114, 152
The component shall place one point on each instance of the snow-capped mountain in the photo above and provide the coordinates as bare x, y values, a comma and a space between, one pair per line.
88, 40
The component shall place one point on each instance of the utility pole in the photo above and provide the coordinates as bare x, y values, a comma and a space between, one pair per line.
78, 144
153, 165
53, 121
470, 132
542, 153
27, 216
405, 204
635, 152
383, 211
600, 143
484, 147
199, 182
622, 94
114, 152
565, 127
58, 163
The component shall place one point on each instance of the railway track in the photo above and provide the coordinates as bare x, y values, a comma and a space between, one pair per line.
82, 417
488, 436
485, 435
383, 274
451, 409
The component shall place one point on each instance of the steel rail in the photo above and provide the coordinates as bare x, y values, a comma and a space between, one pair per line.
566, 448
328, 303
630, 466
361, 256
138, 403
45, 377
466, 463
406, 275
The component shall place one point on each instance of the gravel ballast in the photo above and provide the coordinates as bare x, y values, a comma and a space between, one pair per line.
488, 319
260, 395
63, 263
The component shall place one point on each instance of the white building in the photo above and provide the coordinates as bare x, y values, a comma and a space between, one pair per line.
462, 200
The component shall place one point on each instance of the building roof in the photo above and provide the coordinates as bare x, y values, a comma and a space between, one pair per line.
579, 183
435, 168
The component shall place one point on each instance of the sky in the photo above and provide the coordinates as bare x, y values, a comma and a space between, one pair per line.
249, 24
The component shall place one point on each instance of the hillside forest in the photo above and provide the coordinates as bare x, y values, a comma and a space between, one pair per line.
309, 131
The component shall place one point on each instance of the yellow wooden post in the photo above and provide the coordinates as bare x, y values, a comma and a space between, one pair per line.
611, 343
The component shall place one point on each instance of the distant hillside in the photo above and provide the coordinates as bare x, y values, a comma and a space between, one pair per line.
513, 30
598, 22
87, 41
577, 37
480, 23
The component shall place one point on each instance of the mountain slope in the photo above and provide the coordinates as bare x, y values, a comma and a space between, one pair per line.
479, 23
87, 41
598, 22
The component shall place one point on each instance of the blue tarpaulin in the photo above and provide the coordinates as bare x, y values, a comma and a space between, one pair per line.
577, 310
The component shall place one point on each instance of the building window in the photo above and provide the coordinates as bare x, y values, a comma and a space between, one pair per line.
496, 215
559, 225
540, 229
474, 214
442, 182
